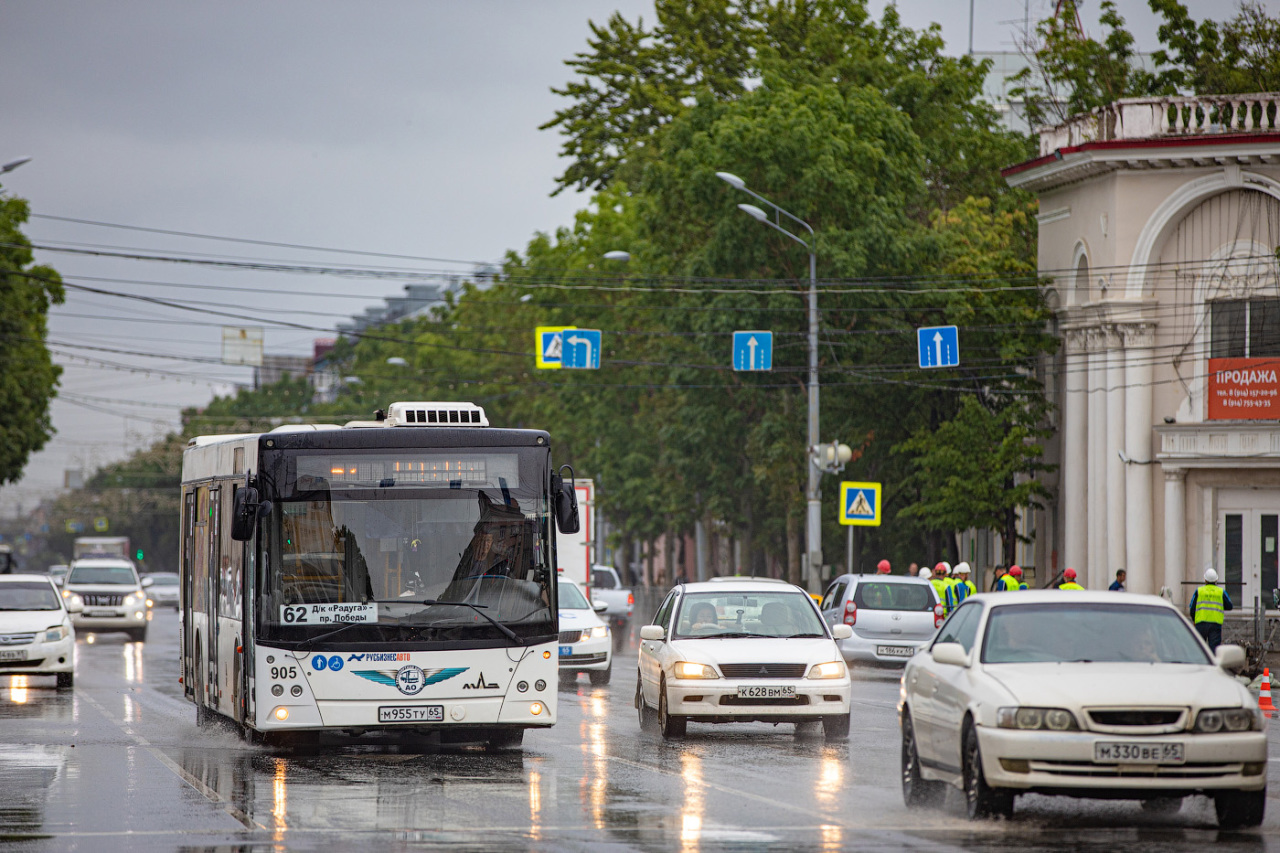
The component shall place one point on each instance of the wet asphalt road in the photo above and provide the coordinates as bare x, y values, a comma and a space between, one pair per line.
118, 764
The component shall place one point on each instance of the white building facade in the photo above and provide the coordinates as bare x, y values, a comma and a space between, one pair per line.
1159, 225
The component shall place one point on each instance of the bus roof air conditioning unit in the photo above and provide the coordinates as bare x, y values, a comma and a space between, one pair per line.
436, 415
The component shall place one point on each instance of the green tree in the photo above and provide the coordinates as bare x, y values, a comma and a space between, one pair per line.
28, 376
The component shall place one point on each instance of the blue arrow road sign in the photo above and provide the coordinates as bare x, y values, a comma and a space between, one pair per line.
860, 504
939, 346
581, 349
753, 350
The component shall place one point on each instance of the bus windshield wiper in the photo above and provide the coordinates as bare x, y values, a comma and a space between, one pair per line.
306, 645
479, 608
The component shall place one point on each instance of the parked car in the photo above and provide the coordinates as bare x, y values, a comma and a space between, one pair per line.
112, 595
1084, 694
620, 602
584, 637
162, 589
36, 634
58, 573
737, 650
892, 617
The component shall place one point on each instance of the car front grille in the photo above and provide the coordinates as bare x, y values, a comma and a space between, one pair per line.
1189, 770
763, 670
570, 637
783, 702
595, 657
1136, 716
17, 639
20, 664
101, 599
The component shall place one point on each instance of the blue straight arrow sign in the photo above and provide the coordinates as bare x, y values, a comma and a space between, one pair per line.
939, 346
753, 350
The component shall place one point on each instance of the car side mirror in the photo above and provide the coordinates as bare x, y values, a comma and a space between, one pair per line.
841, 631
146, 582
951, 653
244, 513
1230, 656
653, 632
75, 604
599, 606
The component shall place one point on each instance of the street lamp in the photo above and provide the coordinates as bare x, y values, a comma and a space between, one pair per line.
813, 494
617, 255
13, 164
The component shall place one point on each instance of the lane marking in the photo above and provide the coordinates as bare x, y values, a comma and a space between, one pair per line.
200, 787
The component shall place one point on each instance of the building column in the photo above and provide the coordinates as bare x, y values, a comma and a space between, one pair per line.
1139, 541
1075, 454
1175, 532
1096, 440
1116, 497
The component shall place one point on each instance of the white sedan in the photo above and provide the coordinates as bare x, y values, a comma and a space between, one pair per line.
36, 637
585, 645
741, 649
1082, 694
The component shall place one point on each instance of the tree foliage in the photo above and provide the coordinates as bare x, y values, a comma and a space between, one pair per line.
28, 376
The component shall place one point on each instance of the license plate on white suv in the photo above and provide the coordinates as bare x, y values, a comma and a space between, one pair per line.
410, 713
1137, 752
767, 691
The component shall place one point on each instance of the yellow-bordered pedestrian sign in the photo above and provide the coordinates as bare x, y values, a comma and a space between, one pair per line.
860, 504
548, 342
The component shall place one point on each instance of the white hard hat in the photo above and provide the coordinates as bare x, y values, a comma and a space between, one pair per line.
1210, 576
925, 573
961, 569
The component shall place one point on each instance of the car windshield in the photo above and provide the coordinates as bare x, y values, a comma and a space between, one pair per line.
102, 574
881, 595
1089, 633
164, 579
752, 614
571, 598
28, 595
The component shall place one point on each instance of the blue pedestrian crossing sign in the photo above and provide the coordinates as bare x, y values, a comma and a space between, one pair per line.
548, 344
860, 504
939, 346
753, 350
581, 349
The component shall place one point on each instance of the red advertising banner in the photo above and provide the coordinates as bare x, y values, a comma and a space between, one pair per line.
1244, 389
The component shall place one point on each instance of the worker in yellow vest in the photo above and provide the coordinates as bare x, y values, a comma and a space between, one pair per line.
961, 587
1069, 580
940, 582
1208, 604
1010, 581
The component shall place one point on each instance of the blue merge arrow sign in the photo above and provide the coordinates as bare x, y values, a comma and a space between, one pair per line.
753, 350
939, 346
581, 349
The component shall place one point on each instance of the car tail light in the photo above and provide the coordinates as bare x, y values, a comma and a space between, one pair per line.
850, 613
937, 616
631, 599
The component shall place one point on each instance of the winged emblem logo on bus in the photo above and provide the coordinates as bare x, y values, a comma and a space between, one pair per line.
409, 679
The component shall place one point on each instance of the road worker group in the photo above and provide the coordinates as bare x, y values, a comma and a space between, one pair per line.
1208, 603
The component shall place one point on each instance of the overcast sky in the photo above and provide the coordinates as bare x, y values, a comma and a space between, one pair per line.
406, 128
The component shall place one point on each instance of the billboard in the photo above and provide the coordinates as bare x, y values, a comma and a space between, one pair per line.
1244, 389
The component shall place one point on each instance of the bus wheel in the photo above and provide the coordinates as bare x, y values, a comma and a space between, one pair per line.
506, 739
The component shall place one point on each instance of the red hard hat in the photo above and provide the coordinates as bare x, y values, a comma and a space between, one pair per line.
1069, 574
882, 567
1016, 571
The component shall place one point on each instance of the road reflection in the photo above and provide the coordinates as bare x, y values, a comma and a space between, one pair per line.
26, 775
694, 802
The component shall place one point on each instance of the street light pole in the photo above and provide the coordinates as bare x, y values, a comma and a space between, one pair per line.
813, 493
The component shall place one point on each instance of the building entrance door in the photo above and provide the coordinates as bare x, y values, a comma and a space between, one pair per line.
1249, 545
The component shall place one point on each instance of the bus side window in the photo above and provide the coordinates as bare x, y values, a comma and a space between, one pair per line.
200, 548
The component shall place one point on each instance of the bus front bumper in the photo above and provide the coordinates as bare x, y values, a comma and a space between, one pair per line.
391, 713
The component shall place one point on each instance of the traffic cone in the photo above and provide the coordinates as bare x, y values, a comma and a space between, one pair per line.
1264, 692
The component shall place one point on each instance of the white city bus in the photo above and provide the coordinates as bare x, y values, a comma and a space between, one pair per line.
396, 574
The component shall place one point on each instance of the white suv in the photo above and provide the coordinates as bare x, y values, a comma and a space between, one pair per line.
113, 596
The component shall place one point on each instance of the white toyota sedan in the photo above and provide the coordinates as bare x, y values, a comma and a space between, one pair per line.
1082, 694
36, 637
741, 649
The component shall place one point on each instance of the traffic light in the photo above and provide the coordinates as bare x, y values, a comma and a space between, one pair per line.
139, 555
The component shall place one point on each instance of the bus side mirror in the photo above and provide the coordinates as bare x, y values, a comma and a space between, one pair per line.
567, 508
244, 514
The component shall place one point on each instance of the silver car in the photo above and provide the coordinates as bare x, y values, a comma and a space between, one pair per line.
892, 616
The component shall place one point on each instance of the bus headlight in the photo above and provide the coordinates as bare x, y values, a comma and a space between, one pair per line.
281, 713
535, 708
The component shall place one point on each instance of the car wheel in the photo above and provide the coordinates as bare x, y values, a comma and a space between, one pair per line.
601, 676
1163, 805
670, 726
1239, 809
66, 680
835, 727
917, 792
981, 800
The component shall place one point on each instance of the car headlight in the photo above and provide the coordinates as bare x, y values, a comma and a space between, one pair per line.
54, 633
135, 598
1212, 720
1045, 719
688, 669
598, 632
830, 669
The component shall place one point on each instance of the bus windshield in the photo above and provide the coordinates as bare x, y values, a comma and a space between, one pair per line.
411, 549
